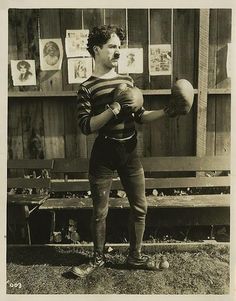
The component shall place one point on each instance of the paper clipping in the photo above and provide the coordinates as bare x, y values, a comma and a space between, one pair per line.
160, 61
79, 69
131, 60
229, 62
23, 72
76, 43
51, 54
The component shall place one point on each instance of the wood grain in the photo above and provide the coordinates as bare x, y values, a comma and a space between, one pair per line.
160, 33
138, 38
69, 19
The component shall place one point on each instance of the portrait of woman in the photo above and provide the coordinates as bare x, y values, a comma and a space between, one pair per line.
51, 53
24, 69
23, 72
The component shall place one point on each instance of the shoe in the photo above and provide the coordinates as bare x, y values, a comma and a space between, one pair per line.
86, 269
142, 262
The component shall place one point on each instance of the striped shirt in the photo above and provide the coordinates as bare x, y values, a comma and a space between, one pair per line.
93, 96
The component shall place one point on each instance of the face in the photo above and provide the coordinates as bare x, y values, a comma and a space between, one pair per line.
23, 69
109, 53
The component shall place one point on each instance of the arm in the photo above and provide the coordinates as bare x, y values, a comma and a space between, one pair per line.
86, 121
98, 121
149, 116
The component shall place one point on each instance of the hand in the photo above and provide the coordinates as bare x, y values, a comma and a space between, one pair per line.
130, 99
181, 100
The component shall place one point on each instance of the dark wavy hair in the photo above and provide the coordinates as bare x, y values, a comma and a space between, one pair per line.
23, 64
100, 35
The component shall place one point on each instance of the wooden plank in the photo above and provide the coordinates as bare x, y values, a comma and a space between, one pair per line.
28, 183
30, 163
12, 46
33, 130
150, 248
185, 26
202, 82
185, 163
160, 33
15, 142
211, 124
53, 116
223, 126
212, 49
150, 183
160, 130
22, 200
181, 163
224, 21
33, 44
24, 42
182, 130
71, 128
138, 38
91, 18
55, 94
71, 165
189, 216
195, 201
116, 16
50, 29
69, 19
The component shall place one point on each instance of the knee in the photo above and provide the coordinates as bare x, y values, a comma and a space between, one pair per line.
139, 211
99, 214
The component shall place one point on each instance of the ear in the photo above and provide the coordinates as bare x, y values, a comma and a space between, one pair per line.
95, 49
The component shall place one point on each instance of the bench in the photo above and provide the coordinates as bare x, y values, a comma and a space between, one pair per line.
28, 186
178, 177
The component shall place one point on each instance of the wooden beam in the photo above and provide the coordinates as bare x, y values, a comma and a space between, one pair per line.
150, 183
202, 82
186, 201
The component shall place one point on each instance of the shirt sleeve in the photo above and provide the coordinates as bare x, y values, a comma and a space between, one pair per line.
84, 110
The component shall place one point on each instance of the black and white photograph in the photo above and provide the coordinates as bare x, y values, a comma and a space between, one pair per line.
131, 60
79, 69
76, 43
51, 54
119, 154
23, 72
160, 62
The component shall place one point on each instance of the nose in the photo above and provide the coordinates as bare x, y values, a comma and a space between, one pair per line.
116, 55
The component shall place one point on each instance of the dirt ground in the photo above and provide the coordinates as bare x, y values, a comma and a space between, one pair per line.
45, 271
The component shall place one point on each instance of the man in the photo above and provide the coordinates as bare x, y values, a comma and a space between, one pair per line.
114, 148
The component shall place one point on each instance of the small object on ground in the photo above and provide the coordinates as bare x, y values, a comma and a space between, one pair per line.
110, 249
57, 237
155, 192
164, 264
121, 193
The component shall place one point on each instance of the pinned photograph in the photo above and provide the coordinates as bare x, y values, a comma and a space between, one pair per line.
76, 43
51, 54
160, 61
79, 69
23, 72
131, 60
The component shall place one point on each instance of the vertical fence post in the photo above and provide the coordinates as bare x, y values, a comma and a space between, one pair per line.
202, 82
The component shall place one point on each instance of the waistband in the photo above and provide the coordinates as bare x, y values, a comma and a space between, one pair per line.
120, 140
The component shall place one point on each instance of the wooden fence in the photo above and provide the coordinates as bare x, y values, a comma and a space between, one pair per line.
42, 118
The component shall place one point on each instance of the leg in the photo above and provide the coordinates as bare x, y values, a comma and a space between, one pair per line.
134, 185
132, 178
100, 188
